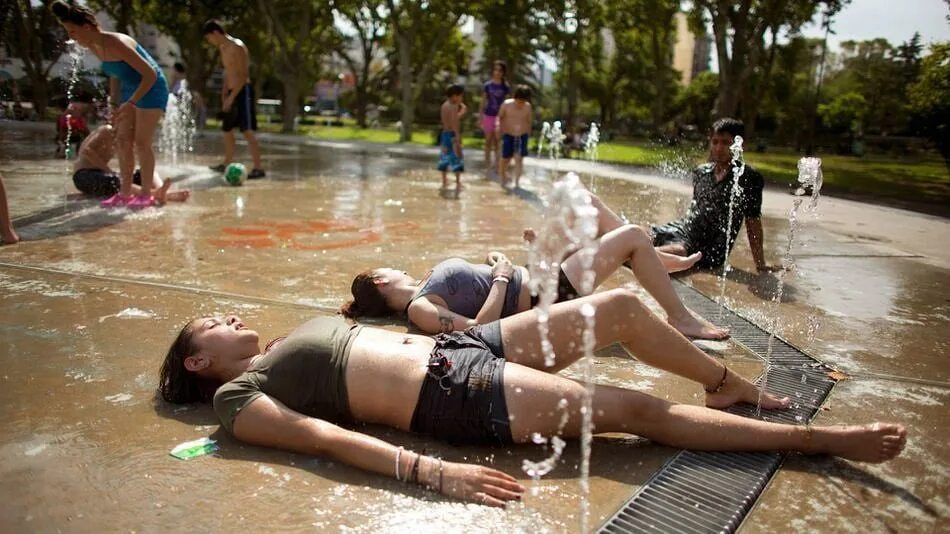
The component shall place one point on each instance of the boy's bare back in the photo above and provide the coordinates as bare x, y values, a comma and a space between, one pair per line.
514, 117
451, 116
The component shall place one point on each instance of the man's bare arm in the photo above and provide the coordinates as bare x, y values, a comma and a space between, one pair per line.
753, 228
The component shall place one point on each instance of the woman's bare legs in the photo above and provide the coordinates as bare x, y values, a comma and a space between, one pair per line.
631, 243
532, 398
7, 233
607, 220
161, 190
125, 151
146, 122
620, 317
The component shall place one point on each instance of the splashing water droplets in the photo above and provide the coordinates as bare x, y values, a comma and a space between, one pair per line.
569, 226
810, 180
738, 169
75, 63
178, 125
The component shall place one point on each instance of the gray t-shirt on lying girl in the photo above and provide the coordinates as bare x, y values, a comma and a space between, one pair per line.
306, 372
464, 287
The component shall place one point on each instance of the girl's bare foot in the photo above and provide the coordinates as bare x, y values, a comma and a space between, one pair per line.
675, 263
877, 442
738, 389
9, 236
161, 194
697, 328
178, 196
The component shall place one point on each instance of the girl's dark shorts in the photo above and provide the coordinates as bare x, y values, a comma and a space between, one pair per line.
462, 399
565, 290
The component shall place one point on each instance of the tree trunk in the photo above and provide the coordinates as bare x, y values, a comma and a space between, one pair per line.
659, 80
360, 104
288, 109
40, 95
405, 86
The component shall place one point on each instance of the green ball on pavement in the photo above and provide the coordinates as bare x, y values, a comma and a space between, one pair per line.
235, 174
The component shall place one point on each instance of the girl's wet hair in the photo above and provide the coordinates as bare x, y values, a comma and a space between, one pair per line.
177, 384
367, 301
73, 14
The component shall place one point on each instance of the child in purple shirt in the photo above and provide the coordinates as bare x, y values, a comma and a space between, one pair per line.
496, 91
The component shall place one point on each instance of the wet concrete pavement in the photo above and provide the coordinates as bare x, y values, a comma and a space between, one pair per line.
92, 299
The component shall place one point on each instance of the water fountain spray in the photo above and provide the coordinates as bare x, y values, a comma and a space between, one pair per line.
569, 227
75, 62
738, 169
555, 142
591, 144
809, 182
178, 125
545, 132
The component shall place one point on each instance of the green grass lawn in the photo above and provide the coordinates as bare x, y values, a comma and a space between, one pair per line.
922, 179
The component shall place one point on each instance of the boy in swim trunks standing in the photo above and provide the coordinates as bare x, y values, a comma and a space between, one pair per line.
450, 158
237, 96
514, 123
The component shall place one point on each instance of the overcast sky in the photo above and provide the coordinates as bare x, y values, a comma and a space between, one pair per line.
895, 20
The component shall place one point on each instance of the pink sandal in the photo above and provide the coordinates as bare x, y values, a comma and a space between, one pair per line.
141, 202
116, 201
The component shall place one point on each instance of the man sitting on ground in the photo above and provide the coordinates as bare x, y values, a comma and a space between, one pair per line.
704, 227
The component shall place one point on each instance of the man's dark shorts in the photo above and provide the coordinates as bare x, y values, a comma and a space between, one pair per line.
99, 183
462, 399
668, 234
243, 113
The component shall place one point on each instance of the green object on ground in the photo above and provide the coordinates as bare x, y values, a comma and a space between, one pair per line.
193, 449
235, 174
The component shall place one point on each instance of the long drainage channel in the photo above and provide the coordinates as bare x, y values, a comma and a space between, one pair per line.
714, 491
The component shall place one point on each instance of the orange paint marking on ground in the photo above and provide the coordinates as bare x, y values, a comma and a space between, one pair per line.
246, 231
370, 237
262, 235
254, 242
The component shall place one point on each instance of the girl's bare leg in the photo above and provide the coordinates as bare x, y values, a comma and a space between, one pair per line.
620, 317
631, 243
7, 233
532, 398
125, 151
146, 122
607, 220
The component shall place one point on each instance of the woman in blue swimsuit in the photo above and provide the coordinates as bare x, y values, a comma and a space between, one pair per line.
137, 86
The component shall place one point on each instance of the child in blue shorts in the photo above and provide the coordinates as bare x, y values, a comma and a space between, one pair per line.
450, 140
514, 123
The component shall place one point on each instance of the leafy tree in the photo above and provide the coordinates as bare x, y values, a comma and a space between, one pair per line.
516, 45
929, 98
35, 37
869, 68
119, 10
647, 26
183, 19
694, 102
844, 113
361, 48
420, 29
571, 28
739, 30
299, 32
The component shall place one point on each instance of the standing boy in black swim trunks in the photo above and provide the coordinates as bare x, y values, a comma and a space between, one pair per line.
514, 123
703, 228
237, 96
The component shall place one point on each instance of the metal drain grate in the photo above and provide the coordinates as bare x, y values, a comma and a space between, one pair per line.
698, 491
